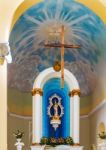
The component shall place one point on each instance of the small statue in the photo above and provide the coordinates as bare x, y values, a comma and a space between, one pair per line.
56, 116
56, 109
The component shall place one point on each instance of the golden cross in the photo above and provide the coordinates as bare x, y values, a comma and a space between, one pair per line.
62, 57
62, 45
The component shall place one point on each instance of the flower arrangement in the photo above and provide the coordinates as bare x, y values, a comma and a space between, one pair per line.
69, 141
60, 140
102, 135
18, 134
57, 141
45, 141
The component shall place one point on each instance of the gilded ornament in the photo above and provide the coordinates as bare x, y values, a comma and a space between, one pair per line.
2, 60
75, 92
4, 51
35, 144
57, 66
37, 91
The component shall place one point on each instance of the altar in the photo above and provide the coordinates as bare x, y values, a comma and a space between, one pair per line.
61, 147
56, 111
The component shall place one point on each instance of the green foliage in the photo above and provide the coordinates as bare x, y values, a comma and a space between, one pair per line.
69, 141
57, 141
44, 141
61, 140
102, 135
18, 134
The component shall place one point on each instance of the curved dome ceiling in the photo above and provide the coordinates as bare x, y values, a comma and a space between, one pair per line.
29, 34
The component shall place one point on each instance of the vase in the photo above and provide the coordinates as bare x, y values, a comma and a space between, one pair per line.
19, 144
19, 139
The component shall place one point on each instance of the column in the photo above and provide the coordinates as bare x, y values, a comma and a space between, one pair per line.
37, 116
3, 106
4, 50
71, 115
76, 114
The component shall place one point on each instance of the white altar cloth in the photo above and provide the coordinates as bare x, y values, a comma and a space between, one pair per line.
60, 147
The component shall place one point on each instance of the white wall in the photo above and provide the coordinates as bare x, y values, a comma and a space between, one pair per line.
22, 124
7, 10
98, 116
89, 126
85, 132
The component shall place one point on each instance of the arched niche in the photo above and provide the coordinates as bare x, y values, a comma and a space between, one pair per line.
52, 89
101, 127
37, 93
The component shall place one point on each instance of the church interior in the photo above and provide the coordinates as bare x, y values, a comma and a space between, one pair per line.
53, 74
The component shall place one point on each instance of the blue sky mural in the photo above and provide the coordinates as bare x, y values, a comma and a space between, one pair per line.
31, 31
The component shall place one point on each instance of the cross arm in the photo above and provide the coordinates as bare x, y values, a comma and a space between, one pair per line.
62, 45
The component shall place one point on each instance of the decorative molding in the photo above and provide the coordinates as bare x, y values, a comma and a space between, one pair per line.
2, 59
81, 117
20, 116
4, 51
97, 108
49, 73
75, 92
76, 144
102, 104
35, 144
37, 91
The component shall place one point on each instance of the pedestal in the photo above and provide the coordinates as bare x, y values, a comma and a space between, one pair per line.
37, 119
19, 144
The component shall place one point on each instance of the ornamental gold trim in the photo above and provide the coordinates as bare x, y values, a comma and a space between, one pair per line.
2, 59
4, 51
76, 144
37, 91
57, 66
75, 92
35, 144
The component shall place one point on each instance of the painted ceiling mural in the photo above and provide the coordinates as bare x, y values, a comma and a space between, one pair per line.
31, 31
